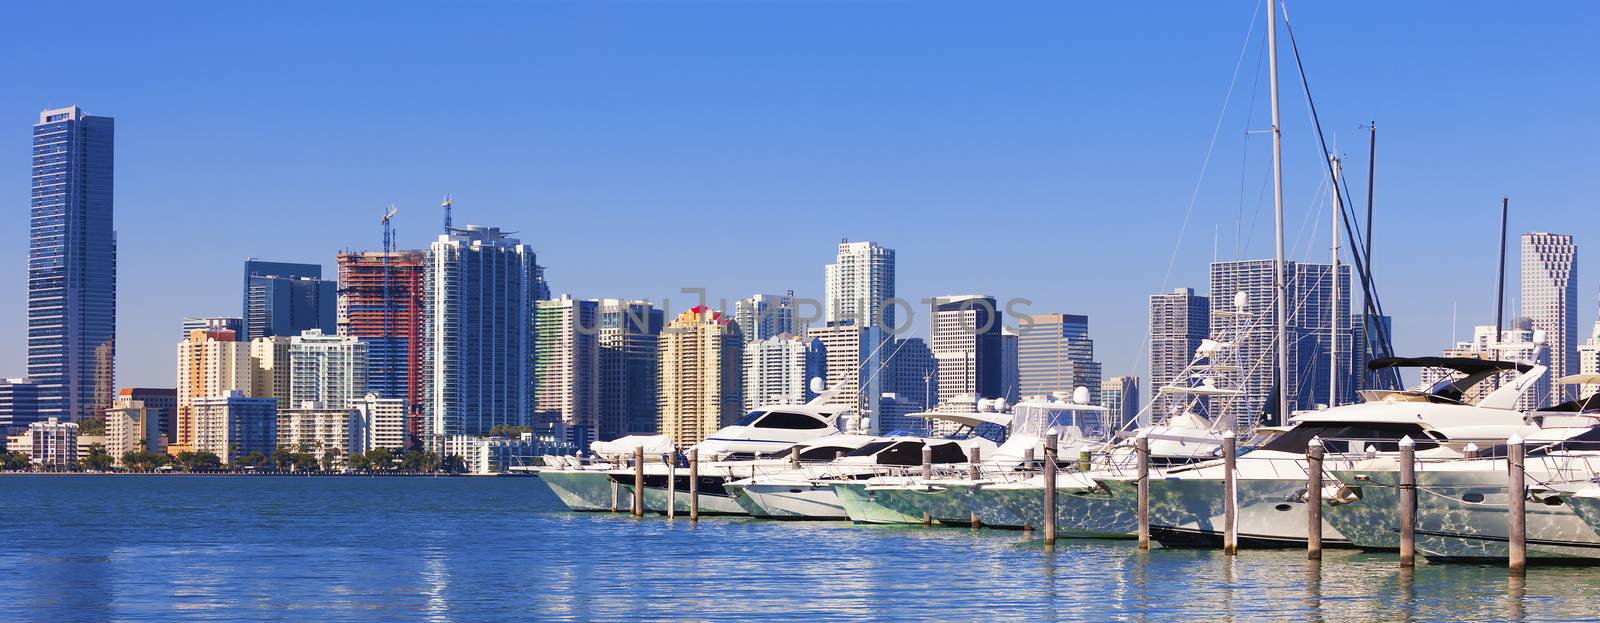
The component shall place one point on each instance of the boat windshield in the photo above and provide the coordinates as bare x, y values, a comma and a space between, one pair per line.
892, 452
1340, 437
750, 419
781, 419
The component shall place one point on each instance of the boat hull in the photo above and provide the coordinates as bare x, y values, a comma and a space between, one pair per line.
789, 500
1084, 510
586, 491
862, 506
1188, 512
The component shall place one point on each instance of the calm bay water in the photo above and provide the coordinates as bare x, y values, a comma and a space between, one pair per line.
92, 548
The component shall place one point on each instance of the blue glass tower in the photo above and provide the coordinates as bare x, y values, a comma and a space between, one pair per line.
72, 264
283, 298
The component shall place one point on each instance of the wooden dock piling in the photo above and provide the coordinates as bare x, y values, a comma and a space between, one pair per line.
1517, 504
694, 484
1230, 493
1314, 452
1142, 443
638, 481
927, 474
1408, 501
1050, 488
973, 473
672, 484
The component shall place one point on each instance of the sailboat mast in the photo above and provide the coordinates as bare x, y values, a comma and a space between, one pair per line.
1280, 271
1333, 325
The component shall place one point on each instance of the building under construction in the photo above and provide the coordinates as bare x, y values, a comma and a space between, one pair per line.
380, 302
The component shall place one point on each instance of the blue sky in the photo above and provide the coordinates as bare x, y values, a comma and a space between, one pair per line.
1041, 150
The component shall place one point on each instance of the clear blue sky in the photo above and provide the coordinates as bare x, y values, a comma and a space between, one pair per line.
1041, 150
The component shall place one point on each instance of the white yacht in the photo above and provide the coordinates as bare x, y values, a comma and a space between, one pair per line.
1186, 505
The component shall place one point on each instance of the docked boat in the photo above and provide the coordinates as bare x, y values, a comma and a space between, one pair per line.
1186, 503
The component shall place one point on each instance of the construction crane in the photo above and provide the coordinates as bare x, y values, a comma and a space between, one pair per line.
446, 205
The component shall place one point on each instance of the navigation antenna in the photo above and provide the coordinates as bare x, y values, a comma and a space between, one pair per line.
446, 205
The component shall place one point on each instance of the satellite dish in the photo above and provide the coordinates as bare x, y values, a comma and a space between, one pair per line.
817, 385
1081, 395
1241, 300
1000, 405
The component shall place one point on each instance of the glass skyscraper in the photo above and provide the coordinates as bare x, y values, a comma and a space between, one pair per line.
72, 264
283, 298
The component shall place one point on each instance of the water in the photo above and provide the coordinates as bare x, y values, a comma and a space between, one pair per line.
93, 548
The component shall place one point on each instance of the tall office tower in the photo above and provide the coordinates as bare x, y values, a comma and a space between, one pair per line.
72, 264
271, 368
19, 404
629, 332
381, 423
779, 369
967, 346
766, 315
856, 361
915, 374
231, 425
1055, 356
380, 301
210, 364
283, 298
1310, 295
160, 405
1179, 321
859, 285
480, 287
701, 355
1120, 396
567, 361
214, 323
1589, 361
1550, 298
330, 370
1010, 362
1369, 332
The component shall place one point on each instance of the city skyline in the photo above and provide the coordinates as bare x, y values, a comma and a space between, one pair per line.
1441, 190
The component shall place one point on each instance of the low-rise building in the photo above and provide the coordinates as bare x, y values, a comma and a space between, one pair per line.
133, 425
495, 455
53, 444
316, 430
380, 423
232, 425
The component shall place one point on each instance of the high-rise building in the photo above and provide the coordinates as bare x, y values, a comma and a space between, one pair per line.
779, 369
231, 425
381, 423
1550, 299
330, 370
1120, 396
1313, 308
567, 361
1010, 370
856, 362
72, 264
1179, 321
213, 323
131, 426
19, 404
271, 368
210, 364
53, 443
766, 315
859, 286
701, 355
916, 375
380, 302
160, 410
1370, 333
1055, 356
1518, 345
968, 348
284, 298
1589, 361
478, 371
628, 370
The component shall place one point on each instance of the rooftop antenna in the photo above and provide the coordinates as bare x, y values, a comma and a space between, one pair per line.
446, 205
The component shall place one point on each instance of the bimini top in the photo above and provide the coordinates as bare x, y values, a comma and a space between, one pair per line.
1465, 365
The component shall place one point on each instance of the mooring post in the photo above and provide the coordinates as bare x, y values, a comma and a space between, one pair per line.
638, 481
1517, 504
1314, 452
1408, 501
973, 473
927, 474
794, 457
1230, 494
1142, 443
694, 484
1027, 463
614, 488
1050, 488
672, 484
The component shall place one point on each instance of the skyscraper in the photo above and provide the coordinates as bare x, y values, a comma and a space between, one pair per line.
210, 364
1589, 361
967, 347
766, 315
231, 425
1120, 396
856, 361
1179, 321
1550, 298
330, 370
213, 323
270, 368
779, 369
629, 373
282, 298
1055, 356
160, 406
701, 358
567, 360
915, 374
19, 404
480, 288
1310, 294
859, 285
380, 302
72, 264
